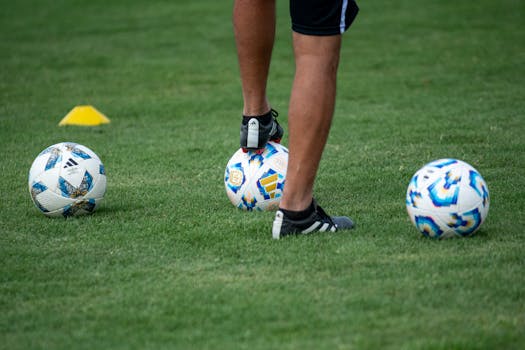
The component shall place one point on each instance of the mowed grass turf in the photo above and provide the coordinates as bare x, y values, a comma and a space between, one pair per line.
167, 262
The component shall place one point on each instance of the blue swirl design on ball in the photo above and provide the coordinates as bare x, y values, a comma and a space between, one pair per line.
234, 170
270, 151
248, 202
47, 150
54, 158
444, 191
478, 184
37, 188
66, 189
443, 163
77, 152
256, 158
427, 226
466, 223
87, 183
69, 191
413, 195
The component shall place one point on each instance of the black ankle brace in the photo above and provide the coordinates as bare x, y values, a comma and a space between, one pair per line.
263, 119
299, 215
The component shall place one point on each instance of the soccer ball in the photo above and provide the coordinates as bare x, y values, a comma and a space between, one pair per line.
67, 179
256, 181
447, 198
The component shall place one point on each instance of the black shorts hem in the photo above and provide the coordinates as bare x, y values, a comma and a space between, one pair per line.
329, 24
316, 31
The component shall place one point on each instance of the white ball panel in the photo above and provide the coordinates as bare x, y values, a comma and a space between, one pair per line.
38, 167
52, 201
49, 179
99, 188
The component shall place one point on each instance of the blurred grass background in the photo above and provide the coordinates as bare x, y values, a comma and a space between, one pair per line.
167, 262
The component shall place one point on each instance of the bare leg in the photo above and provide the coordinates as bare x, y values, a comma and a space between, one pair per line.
254, 28
311, 110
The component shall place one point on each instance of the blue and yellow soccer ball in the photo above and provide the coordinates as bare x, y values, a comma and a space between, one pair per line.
447, 198
67, 179
256, 181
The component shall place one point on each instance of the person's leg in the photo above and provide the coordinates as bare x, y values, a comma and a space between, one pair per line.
317, 26
254, 29
312, 105
310, 115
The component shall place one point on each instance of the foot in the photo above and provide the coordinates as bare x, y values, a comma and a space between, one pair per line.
257, 131
317, 221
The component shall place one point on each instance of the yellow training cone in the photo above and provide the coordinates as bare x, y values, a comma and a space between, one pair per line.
84, 115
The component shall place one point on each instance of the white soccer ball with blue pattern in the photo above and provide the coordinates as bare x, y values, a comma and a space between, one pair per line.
447, 198
67, 179
256, 181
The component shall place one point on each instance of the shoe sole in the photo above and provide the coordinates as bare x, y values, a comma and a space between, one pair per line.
259, 150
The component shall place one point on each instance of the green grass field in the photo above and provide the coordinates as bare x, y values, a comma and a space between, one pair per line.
167, 262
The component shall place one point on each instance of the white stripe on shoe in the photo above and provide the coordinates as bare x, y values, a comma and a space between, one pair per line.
253, 134
314, 226
325, 227
277, 224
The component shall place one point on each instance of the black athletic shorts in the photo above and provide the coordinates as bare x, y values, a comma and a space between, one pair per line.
322, 17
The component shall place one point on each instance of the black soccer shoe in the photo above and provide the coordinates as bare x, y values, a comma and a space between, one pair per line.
318, 221
257, 131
